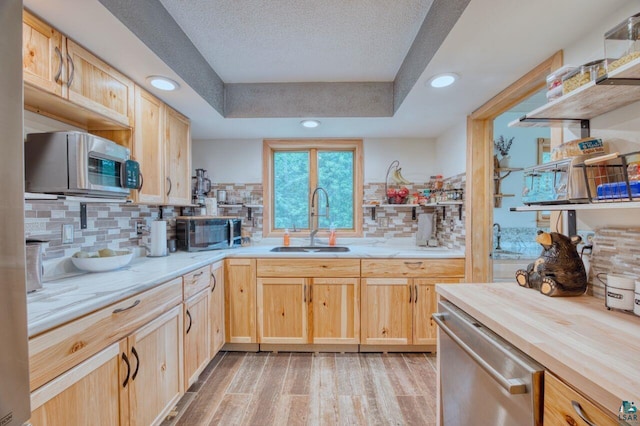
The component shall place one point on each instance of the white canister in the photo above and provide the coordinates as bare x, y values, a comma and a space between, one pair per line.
619, 298
636, 299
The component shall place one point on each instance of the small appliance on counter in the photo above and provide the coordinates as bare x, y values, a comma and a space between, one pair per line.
198, 233
78, 163
200, 186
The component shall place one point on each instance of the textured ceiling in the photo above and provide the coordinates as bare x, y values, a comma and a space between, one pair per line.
301, 40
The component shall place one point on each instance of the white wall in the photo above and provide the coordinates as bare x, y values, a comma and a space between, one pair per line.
451, 150
240, 161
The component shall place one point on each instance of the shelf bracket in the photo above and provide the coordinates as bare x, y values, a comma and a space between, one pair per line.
606, 81
373, 213
585, 129
413, 213
83, 215
571, 221
460, 212
249, 213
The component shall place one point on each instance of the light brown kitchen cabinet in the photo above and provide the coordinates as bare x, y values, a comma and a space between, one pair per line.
216, 308
398, 299
148, 147
240, 301
177, 158
162, 146
563, 405
156, 382
58, 65
283, 310
88, 394
308, 301
196, 336
136, 380
43, 55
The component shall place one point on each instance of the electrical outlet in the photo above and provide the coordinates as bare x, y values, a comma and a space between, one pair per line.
67, 233
383, 222
139, 227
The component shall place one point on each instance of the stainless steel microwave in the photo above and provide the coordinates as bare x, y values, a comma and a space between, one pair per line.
78, 163
197, 233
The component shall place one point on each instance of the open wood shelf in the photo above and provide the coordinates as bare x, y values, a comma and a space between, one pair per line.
611, 91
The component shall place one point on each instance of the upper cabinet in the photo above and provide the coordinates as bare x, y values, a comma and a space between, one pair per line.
65, 81
162, 146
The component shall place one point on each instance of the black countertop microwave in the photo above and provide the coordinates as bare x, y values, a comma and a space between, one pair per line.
197, 233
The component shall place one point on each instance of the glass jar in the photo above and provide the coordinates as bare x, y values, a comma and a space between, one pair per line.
622, 42
439, 182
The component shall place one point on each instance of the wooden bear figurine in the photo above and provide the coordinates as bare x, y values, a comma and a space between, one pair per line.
558, 271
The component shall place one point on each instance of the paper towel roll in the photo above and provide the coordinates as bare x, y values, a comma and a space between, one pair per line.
211, 205
158, 238
425, 224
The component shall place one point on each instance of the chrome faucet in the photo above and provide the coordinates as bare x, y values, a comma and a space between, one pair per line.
312, 214
498, 236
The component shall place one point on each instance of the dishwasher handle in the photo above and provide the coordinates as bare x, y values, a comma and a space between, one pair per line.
513, 386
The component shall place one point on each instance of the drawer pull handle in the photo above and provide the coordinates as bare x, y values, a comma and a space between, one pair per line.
199, 274
413, 265
578, 409
215, 282
136, 303
126, 361
135, 353
190, 322
304, 293
415, 294
410, 293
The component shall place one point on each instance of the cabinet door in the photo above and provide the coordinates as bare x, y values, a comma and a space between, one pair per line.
148, 146
177, 158
196, 336
98, 87
335, 310
240, 300
425, 331
156, 385
282, 310
92, 393
386, 311
42, 55
216, 308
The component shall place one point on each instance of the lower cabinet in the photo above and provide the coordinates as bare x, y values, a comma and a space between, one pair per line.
135, 381
240, 300
563, 405
397, 311
308, 310
196, 336
88, 394
216, 309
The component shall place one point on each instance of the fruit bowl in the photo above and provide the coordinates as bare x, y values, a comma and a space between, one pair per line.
96, 263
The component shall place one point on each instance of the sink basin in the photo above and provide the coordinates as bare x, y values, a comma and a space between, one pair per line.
310, 249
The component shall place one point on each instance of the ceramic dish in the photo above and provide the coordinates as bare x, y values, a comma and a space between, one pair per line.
101, 264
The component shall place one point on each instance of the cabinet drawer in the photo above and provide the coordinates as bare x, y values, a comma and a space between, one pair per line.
559, 410
56, 351
315, 268
413, 268
196, 281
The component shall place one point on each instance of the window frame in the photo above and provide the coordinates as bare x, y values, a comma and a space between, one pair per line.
269, 146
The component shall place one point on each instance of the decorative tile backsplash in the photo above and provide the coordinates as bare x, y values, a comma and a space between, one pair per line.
615, 250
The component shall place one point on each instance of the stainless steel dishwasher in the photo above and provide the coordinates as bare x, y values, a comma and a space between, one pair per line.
483, 379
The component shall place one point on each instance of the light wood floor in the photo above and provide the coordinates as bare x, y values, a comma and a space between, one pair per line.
264, 388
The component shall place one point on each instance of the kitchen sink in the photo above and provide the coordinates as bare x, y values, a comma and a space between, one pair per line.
310, 249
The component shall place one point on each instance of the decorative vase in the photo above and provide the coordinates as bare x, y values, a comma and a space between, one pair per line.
504, 162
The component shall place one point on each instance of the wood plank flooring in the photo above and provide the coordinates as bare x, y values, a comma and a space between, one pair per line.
266, 388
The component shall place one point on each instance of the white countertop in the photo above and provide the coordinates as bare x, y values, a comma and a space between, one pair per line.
65, 299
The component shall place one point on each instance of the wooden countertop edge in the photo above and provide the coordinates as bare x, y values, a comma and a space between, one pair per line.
598, 352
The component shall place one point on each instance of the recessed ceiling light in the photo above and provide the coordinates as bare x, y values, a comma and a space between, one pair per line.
162, 83
443, 80
310, 123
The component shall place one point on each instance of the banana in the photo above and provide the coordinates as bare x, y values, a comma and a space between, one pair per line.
395, 178
403, 181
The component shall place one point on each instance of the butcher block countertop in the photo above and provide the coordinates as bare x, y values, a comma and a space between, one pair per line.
595, 350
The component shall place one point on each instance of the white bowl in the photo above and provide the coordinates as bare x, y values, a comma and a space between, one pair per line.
101, 264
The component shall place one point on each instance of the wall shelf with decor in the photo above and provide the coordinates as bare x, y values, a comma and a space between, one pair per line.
249, 208
393, 206
498, 175
609, 92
